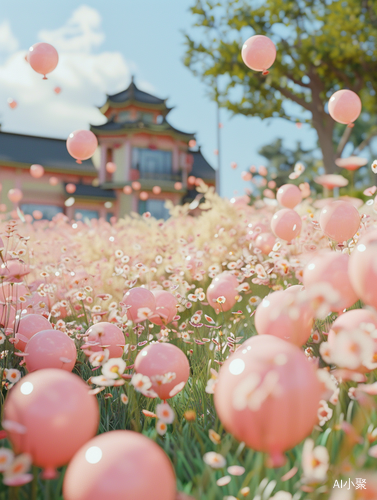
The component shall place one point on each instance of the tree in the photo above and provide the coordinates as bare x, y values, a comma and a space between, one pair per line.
322, 46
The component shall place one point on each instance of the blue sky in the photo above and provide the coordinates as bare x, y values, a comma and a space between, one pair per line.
100, 45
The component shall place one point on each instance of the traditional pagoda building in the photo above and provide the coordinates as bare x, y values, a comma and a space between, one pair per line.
154, 163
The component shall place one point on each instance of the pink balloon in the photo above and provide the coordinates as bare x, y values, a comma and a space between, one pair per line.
281, 315
289, 195
345, 106
12, 103
81, 144
155, 189
143, 195
111, 167
50, 415
339, 220
166, 307
141, 304
7, 315
37, 171
128, 189
279, 417
351, 320
265, 242
294, 289
159, 359
286, 224
15, 195
70, 188
105, 336
224, 285
57, 90
43, 58
120, 465
28, 326
50, 349
256, 228
363, 270
331, 268
259, 53
53, 181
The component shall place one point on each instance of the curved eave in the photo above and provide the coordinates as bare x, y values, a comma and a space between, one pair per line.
147, 185
133, 102
142, 130
51, 170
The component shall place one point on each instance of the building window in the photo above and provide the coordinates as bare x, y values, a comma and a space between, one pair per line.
48, 211
109, 215
123, 116
155, 207
83, 213
152, 163
147, 117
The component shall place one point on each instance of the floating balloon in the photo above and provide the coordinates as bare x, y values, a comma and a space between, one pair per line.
166, 307
259, 53
50, 415
280, 314
289, 195
267, 396
191, 179
105, 336
57, 90
156, 190
43, 58
81, 144
141, 304
15, 195
28, 326
363, 269
111, 167
192, 143
127, 190
160, 362
12, 103
120, 465
331, 268
351, 320
136, 185
265, 242
339, 220
37, 171
53, 181
50, 349
223, 286
143, 195
70, 188
178, 186
345, 107
286, 224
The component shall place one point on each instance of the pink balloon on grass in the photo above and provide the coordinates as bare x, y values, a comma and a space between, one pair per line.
105, 335
43, 58
37, 171
160, 359
289, 195
166, 307
50, 349
339, 220
280, 314
265, 242
331, 268
363, 268
50, 415
140, 303
286, 224
15, 195
120, 465
81, 145
267, 396
352, 320
345, 107
259, 53
223, 286
28, 326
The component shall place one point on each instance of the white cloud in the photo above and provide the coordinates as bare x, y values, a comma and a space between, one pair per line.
8, 42
83, 76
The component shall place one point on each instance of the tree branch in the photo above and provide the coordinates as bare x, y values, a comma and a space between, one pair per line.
343, 141
290, 95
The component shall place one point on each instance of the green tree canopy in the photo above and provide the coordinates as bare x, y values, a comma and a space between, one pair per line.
322, 46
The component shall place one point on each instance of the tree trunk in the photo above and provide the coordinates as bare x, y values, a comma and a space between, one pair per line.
325, 140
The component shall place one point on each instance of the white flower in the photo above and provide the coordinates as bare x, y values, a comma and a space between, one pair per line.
253, 391
20, 465
124, 398
321, 298
214, 460
2, 338
165, 413
315, 462
282, 495
99, 357
6, 458
113, 368
13, 375
374, 167
352, 349
324, 412
144, 313
102, 381
161, 427
141, 382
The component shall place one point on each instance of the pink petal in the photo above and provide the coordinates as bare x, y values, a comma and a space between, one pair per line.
236, 470
17, 480
223, 481
370, 191
176, 389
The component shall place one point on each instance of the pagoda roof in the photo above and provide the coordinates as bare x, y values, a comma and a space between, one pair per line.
112, 127
201, 168
89, 191
133, 95
18, 150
